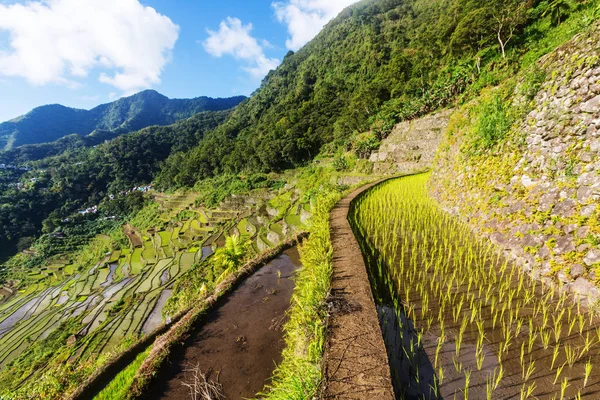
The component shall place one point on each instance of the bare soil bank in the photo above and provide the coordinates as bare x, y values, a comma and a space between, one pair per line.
241, 341
356, 363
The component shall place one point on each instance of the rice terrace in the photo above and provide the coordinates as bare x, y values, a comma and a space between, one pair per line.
405, 204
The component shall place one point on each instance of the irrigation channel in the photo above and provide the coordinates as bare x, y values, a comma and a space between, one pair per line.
458, 320
238, 345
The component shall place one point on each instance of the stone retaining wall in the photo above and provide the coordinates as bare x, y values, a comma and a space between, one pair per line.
537, 195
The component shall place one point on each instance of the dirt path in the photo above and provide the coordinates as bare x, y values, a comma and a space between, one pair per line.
356, 362
241, 341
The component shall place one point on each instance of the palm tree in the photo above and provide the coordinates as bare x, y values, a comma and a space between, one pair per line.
230, 257
558, 10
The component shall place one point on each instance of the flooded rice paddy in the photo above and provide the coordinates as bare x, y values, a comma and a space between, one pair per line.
459, 321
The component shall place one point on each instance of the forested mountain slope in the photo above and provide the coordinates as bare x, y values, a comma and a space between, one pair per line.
377, 63
147, 108
57, 187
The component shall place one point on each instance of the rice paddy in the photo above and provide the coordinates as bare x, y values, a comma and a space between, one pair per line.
460, 321
123, 295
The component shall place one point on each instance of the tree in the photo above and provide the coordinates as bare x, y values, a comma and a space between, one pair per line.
509, 16
474, 31
230, 257
558, 10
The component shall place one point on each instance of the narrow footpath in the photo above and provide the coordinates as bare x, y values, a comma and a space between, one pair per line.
356, 363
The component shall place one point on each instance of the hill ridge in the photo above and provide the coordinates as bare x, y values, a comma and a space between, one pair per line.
52, 122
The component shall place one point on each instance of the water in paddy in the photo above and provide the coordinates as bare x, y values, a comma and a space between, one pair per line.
239, 343
458, 320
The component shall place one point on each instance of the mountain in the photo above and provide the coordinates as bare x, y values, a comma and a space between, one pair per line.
52, 122
376, 64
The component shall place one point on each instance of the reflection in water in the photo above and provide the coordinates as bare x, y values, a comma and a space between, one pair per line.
412, 372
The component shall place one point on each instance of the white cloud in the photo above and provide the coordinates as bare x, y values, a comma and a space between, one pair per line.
61, 41
306, 18
233, 38
88, 98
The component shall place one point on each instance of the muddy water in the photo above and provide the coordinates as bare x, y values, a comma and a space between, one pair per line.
240, 342
155, 318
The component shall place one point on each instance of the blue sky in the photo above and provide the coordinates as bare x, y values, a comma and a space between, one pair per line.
82, 53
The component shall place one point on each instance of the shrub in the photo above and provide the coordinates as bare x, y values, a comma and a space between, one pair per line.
493, 123
340, 163
365, 144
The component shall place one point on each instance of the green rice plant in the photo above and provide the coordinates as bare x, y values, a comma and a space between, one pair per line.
479, 356
572, 323
555, 355
489, 387
587, 345
545, 336
459, 338
498, 376
530, 370
563, 387
558, 372
440, 343
557, 332
570, 354
531, 340
588, 372
467, 383
527, 390
457, 364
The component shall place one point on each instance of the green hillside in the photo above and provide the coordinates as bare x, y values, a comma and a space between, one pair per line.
517, 155
52, 122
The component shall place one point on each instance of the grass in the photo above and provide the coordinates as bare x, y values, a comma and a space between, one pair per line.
299, 374
125, 311
119, 386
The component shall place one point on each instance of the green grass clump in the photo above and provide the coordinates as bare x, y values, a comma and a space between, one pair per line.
494, 123
299, 374
119, 387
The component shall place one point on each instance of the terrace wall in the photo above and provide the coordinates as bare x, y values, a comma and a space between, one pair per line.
536, 195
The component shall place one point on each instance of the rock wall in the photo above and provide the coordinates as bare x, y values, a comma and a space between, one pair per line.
411, 146
536, 194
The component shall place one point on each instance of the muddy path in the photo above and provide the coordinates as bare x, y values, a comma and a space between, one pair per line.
356, 364
239, 343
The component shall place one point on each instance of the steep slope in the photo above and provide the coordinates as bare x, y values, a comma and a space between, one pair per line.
535, 191
376, 64
147, 108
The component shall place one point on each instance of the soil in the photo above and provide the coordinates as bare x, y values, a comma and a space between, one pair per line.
133, 236
356, 363
240, 342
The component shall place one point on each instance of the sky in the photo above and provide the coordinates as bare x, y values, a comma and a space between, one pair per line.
82, 53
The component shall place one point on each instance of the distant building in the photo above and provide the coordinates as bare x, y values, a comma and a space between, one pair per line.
91, 210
